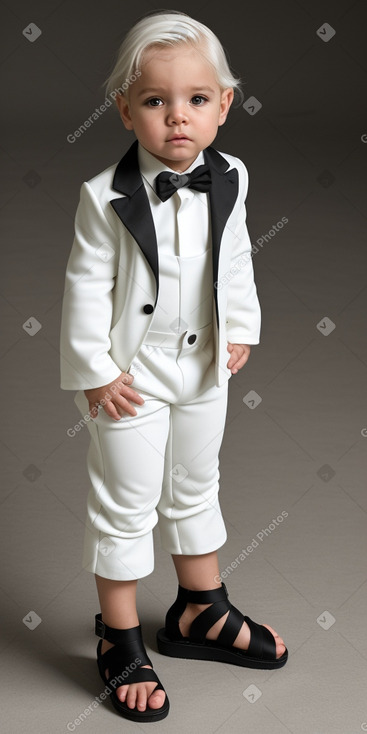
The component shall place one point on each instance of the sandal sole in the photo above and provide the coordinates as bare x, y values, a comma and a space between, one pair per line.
217, 653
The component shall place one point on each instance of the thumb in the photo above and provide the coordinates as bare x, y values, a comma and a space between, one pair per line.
93, 410
127, 378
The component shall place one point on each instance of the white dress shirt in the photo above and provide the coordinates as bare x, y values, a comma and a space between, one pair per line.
182, 225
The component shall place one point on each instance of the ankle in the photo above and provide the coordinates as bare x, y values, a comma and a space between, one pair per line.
106, 645
192, 607
118, 603
198, 587
122, 623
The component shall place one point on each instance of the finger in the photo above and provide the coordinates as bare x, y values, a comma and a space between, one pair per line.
238, 358
111, 411
232, 360
127, 393
116, 412
122, 405
240, 363
245, 356
130, 394
236, 365
113, 393
127, 378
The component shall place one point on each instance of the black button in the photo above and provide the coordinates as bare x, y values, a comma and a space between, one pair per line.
148, 308
192, 339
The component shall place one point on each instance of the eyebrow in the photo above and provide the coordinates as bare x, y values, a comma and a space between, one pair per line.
159, 90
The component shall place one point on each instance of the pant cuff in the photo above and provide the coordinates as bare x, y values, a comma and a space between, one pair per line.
194, 535
119, 559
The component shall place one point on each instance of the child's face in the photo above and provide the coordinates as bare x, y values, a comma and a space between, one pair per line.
176, 94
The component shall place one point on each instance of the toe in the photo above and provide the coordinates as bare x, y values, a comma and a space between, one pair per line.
279, 642
131, 698
141, 699
156, 699
121, 693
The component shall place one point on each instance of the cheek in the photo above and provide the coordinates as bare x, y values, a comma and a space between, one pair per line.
210, 124
148, 120
209, 120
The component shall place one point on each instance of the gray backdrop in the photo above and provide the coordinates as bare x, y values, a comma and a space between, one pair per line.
296, 433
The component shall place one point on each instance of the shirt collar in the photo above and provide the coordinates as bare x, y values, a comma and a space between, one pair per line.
150, 166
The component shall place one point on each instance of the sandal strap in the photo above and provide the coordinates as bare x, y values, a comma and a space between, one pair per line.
129, 643
205, 597
121, 673
145, 675
115, 659
262, 643
231, 627
115, 635
205, 620
196, 597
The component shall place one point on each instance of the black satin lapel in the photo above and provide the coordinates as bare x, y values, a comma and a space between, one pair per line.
222, 196
134, 208
136, 215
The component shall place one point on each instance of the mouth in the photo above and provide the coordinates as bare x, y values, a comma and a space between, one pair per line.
178, 137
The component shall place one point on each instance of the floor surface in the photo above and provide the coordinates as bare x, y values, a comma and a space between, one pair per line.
293, 459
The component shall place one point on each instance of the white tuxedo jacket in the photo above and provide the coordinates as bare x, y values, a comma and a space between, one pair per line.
112, 277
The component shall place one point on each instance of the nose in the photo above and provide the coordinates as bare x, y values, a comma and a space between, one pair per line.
177, 114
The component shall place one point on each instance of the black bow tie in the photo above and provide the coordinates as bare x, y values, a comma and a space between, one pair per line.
167, 183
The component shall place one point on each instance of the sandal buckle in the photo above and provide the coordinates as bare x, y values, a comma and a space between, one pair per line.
100, 628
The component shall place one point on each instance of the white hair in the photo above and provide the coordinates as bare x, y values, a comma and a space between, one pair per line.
167, 28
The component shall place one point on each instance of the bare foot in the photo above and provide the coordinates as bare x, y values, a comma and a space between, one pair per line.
243, 638
137, 694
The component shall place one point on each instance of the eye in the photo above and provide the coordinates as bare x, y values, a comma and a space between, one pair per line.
198, 100
153, 102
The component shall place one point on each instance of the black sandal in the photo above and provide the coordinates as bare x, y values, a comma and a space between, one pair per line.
123, 663
261, 652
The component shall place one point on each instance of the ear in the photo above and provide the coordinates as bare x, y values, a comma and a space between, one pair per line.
225, 103
124, 110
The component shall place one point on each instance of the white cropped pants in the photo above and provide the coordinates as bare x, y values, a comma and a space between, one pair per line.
160, 466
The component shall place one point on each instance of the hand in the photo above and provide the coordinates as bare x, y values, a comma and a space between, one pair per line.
114, 397
239, 356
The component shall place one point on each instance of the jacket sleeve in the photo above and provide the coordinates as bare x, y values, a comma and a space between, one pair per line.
88, 302
243, 316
